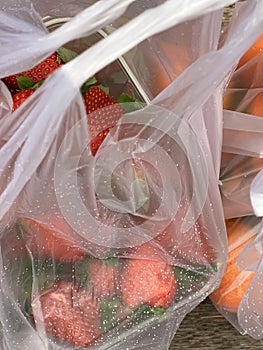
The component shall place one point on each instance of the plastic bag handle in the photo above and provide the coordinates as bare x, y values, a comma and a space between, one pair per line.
34, 44
131, 34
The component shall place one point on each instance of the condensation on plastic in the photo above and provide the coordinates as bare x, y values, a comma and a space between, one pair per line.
236, 177
247, 317
250, 312
32, 136
244, 238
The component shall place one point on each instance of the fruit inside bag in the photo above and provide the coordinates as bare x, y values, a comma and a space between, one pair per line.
236, 177
243, 129
243, 124
113, 247
238, 297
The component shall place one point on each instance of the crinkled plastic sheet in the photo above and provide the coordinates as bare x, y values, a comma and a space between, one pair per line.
256, 194
237, 175
241, 183
180, 224
240, 299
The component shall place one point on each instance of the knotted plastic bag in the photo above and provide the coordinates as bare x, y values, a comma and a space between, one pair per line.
115, 248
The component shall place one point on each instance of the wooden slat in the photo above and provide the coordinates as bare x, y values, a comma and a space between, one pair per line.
205, 329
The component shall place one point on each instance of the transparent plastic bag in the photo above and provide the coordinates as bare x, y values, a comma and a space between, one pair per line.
128, 241
243, 134
256, 194
236, 177
5, 101
238, 297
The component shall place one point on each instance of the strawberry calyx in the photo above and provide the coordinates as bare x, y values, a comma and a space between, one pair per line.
130, 103
188, 279
144, 311
93, 83
65, 55
26, 83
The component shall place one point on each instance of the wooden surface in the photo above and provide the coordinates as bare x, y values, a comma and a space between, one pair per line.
204, 329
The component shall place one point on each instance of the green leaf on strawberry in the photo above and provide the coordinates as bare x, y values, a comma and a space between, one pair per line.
25, 83
130, 104
104, 88
81, 273
144, 311
188, 279
66, 55
109, 313
88, 85
112, 261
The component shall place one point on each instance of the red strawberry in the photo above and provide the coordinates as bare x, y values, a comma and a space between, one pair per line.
148, 281
103, 114
52, 237
193, 246
39, 72
68, 313
20, 97
103, 277
42, 70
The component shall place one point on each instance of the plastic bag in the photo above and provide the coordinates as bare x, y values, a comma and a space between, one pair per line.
102, 233
22, 28
236, 177
5, 101
238, 297
243, 131
256, 193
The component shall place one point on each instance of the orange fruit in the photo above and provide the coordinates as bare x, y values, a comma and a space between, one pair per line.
235, 282
248, 74
254, 50
171, 61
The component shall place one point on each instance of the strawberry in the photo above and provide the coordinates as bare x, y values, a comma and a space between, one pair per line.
27, 87
42, 70
148, 281
103, 277
68, 313
52, 237
194, 246
103, 113
20, 97
39, 72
